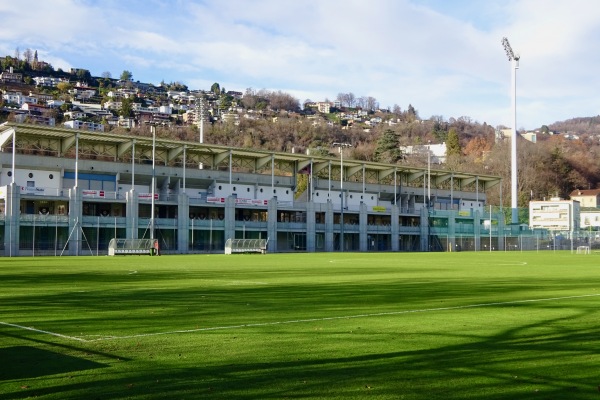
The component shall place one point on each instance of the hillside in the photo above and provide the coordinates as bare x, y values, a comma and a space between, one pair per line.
553, 166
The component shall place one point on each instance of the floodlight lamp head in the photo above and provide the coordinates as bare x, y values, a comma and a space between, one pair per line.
508, 49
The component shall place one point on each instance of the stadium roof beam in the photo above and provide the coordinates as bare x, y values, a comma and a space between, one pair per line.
58, 141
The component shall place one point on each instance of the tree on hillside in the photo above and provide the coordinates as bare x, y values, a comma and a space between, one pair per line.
388, 148
28, 56
216, 88
126, 110
453, 149
83, 75
476, 148
64, 87
126, 76
410, 114
249, 99
439, 130
346, 99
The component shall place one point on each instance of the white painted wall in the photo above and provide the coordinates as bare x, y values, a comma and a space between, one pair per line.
37, 177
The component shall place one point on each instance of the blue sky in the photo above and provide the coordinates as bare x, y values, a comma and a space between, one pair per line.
444, 57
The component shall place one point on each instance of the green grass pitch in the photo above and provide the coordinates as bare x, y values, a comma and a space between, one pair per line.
516, 325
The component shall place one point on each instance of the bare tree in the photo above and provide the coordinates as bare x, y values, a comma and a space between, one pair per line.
249, 99
28, 56
351, 99
371, 103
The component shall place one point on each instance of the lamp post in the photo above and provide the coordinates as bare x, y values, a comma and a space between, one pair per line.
514, 59
200, 114
428, 174
341, 147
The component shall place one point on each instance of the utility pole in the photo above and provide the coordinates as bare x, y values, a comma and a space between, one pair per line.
514, 59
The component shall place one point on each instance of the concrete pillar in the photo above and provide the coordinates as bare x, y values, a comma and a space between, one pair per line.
395, 228
363, 237
500, 233
75, 221
11, 222
329, 226
451, 232
132, 212
311, 220
183, 223
272, 246
477, 229
229, 218
424, 229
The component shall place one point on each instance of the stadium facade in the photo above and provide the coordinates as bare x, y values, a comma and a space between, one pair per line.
65, 191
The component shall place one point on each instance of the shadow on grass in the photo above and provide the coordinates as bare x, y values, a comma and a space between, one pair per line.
519, 362
31, 362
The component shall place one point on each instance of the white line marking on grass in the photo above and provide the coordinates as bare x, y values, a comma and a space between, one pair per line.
28, 328
294, 321
235, 283
299, 321
518, 263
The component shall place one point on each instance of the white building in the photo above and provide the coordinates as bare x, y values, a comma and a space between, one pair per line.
89, 126
590, 218
554, 215
436, 151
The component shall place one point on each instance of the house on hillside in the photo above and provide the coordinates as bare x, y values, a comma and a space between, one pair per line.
505, 134
587, 198
11, 77
437, 152
324, 107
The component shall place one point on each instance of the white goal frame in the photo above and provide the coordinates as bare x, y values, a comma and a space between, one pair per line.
583, 249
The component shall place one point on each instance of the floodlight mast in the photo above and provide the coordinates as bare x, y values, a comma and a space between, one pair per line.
514, 59
341, 147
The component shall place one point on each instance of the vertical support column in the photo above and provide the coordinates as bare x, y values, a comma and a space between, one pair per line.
272, 226
410, 203
395, 226
424, 229
183, 223
75, 222
311, 234
11, 222
132, 213
477, 230
329, 226
451, 232
363, 237
501, 230
229, 218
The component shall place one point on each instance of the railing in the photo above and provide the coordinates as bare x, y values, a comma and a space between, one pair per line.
206, 223
291, 225
377, 228
159, 222
103, 221
42, 219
